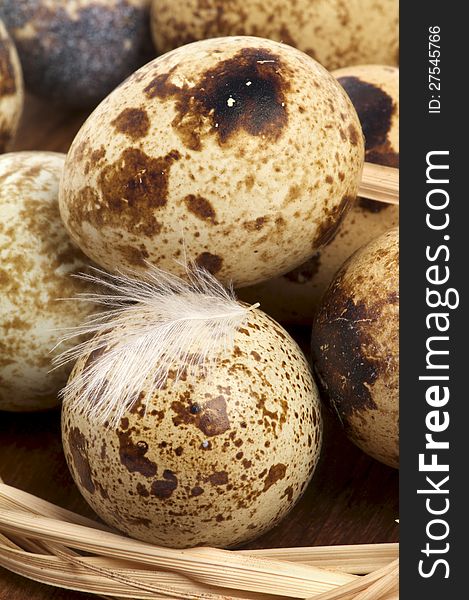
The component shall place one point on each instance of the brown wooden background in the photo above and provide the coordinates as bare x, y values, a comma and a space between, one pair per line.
352, 498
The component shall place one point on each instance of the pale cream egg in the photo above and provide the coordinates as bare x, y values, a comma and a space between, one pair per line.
37, 259
240, 154
337, 33
210, 460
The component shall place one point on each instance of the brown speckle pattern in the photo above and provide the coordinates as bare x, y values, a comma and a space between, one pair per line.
250, 435
375, 108
37, 259
211, 417
130, 187
164, 488
79, 461
209, 261
374, 91
190, 184
276, 473
356, 349
201, 208
11, 89
337, 33
132, 455
243, 93
132, 122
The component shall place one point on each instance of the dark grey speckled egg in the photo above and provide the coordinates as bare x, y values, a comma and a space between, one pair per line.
77, 51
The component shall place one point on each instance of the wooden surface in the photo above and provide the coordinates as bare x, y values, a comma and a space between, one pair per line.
352, 498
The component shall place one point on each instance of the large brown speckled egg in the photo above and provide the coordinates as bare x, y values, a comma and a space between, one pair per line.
241, 152
215, 460
293, 297
36, 259
11, 89
337, 33
355, 345
77, 51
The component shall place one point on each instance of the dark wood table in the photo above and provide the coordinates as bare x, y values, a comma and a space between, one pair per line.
351, 500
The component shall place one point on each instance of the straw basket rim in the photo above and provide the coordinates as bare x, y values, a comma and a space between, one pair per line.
52, 545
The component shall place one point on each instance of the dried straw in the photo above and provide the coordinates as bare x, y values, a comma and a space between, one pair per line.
55, 546
380, 183
358, 560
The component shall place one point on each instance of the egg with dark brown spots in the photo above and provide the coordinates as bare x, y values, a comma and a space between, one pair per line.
293, 297
11, 89
374, 92
76, 51
240, 154
355, 345
37, 258
337, 33
211, 460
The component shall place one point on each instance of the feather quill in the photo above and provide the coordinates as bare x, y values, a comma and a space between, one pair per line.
147, 329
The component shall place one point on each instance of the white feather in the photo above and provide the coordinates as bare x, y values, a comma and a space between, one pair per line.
151, 327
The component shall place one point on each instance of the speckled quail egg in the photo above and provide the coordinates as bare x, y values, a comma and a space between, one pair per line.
77, 51
241, 154
36, 259
11, 89
355, 345
210, 460
293, 297
337, 33
374, 92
